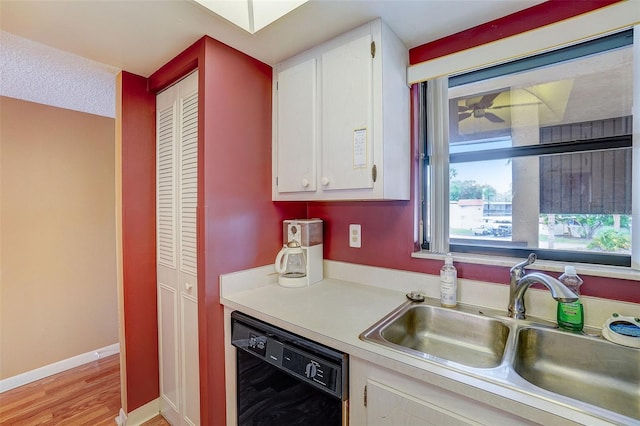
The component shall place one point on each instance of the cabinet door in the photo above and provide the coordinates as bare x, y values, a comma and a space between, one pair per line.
167, 248
187, 253
297, 131
347, 111
389, 406
177, 194
392, 398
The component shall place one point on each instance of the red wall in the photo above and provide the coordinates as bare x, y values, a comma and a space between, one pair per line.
239, 227
137, 115
519, 22
389, 229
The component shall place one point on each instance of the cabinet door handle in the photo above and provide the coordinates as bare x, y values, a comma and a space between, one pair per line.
305, 183
325, 181
188, 286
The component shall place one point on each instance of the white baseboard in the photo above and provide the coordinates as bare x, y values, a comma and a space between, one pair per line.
121, 420
139, 415
57, 367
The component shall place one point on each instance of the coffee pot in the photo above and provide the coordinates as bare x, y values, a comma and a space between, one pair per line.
300, 262
291, 265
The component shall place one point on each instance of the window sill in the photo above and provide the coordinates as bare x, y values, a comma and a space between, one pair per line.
618, 272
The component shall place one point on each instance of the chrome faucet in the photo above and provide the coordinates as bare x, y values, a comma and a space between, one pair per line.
520, 282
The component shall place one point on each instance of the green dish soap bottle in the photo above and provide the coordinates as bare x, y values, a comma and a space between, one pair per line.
571, 314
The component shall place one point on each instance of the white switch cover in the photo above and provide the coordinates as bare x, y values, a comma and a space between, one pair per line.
355, 236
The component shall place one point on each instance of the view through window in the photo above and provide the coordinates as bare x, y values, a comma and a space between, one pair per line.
541, 158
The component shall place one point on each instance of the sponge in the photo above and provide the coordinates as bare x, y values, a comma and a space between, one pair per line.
622, 330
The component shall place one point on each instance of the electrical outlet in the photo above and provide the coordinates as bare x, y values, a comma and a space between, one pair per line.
355, 236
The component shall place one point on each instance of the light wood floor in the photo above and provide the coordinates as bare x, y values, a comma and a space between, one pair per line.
85, 395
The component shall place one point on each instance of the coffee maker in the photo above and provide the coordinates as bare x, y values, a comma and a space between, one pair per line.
307, 235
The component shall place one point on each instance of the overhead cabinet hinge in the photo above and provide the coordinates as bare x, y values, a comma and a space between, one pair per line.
373, 49
365, 395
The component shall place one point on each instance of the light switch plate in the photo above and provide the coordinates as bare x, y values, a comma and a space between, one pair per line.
355, 236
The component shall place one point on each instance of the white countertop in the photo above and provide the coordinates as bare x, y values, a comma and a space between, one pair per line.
334, 312
330, 310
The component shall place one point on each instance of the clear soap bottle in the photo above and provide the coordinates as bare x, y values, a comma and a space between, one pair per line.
448, 283
571, 314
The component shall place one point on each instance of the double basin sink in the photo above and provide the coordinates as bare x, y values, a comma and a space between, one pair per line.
522, 354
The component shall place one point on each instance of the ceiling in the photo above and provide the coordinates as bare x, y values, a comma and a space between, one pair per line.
140, 36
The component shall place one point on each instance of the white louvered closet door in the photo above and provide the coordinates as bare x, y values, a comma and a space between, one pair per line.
177, 186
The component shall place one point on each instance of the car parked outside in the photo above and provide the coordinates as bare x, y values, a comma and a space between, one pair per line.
495, 226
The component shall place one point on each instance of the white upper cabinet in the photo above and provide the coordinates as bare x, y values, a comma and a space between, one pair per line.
341, 120
296, 102
347, 117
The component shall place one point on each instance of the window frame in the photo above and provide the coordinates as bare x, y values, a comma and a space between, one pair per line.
434, 171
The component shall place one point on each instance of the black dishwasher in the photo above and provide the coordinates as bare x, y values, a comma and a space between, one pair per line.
284, 379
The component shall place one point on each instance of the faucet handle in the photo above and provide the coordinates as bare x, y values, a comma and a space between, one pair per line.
519, 268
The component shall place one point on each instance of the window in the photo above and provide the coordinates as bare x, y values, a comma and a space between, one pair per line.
537, 156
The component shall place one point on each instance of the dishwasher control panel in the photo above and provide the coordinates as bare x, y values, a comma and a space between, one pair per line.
315, 369
318, 365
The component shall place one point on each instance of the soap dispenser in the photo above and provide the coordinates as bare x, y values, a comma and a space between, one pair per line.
448, 283
571, 314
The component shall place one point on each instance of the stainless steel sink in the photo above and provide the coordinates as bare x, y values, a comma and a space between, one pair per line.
581, 367
468, 339
586, 372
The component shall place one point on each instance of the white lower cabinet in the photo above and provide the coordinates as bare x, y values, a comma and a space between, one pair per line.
382, 397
